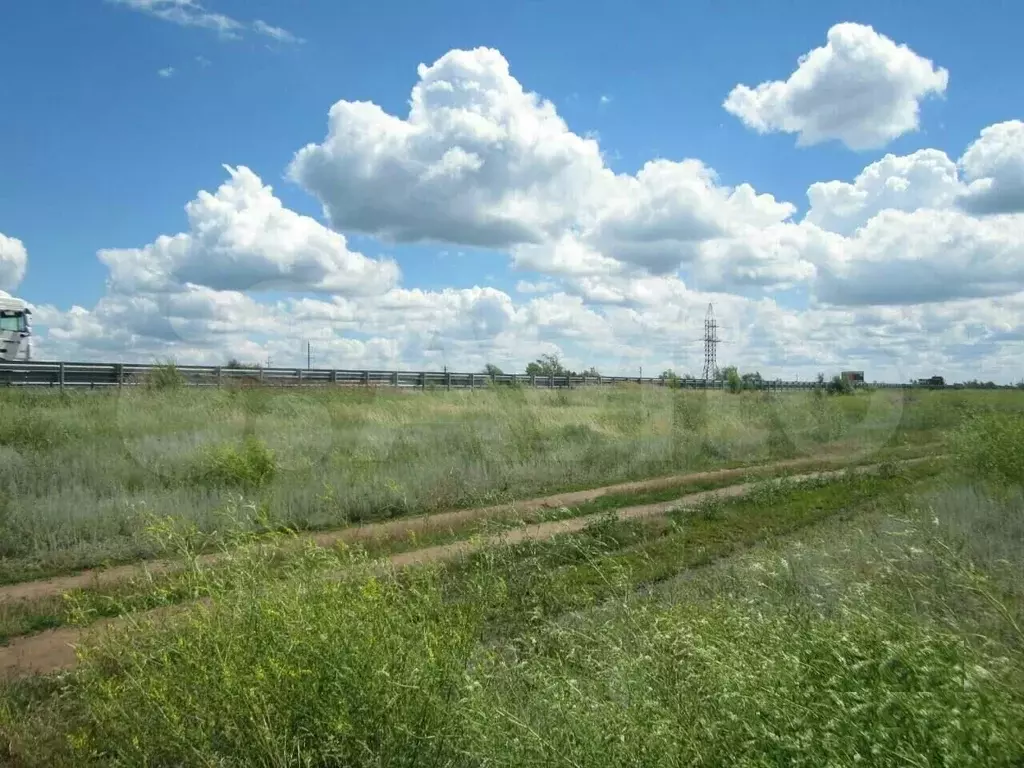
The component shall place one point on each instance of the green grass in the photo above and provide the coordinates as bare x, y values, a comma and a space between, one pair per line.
460, 665
161, 589
875, 620
80, 472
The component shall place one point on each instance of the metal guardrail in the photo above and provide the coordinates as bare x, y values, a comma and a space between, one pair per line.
107, 375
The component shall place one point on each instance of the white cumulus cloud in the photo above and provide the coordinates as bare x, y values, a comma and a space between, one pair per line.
923, 256
242, 238
478, 160
860, 88
13, 262
925, 179
994, 167
481, 161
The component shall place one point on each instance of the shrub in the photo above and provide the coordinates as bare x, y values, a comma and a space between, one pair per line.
839, 386
165, 376
249, 465
34, 430
990, 445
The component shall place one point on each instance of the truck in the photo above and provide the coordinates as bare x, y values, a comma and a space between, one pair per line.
15, 329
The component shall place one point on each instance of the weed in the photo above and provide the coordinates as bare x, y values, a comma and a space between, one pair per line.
249, 465
165, 376
990, 445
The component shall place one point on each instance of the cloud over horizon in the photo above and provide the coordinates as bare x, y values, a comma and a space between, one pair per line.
895, 269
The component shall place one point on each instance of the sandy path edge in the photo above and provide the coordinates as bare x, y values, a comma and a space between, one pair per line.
54, 650
94, 578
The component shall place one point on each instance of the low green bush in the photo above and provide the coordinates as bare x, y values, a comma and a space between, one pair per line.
990, 445
248, 465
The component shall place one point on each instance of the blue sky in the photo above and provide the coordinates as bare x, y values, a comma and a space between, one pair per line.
99, 150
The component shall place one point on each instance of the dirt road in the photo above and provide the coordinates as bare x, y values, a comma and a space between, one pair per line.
97, 578
53, 650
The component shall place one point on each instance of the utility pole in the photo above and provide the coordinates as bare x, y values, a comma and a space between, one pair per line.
309, 355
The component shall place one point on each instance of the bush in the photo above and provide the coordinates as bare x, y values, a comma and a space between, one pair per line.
35, 430
990, 445
165, 376
249, 465
733, 380
839, 386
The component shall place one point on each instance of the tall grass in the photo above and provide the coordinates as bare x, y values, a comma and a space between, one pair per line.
890, 639
363, 668
77, 469
990, 446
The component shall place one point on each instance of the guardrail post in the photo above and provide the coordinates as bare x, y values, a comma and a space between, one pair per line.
366, 378
60, 377
220, 376
472, 381
423, 380
551, 381
120, 375
299, 372
334, 375
394, 379
261, 375
448, 381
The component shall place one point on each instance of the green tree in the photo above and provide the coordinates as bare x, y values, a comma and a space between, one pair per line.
492, 370
733, 381
752, 380
839, 386
546, 365
670, 377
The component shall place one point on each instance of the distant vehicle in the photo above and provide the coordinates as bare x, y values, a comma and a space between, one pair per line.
15, 330
854, 377
933, 381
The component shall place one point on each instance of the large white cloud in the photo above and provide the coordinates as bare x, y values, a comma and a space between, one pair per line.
925, 179
860, 88
481, 161
478, 160
909, 230
243, 238
923, 256
994, 166
13, 262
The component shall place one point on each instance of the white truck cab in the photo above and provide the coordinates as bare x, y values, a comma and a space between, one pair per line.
15, 329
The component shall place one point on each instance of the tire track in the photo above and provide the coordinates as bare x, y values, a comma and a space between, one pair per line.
54, 650
97, 578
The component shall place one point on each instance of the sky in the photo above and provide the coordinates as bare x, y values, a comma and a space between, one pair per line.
400, 185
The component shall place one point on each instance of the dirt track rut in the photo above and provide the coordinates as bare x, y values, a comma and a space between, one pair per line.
97, 578
53, 650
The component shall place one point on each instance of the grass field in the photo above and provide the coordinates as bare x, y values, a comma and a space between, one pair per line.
80, 475
872, 618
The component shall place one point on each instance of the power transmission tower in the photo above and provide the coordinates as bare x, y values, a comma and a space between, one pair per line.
711, 342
